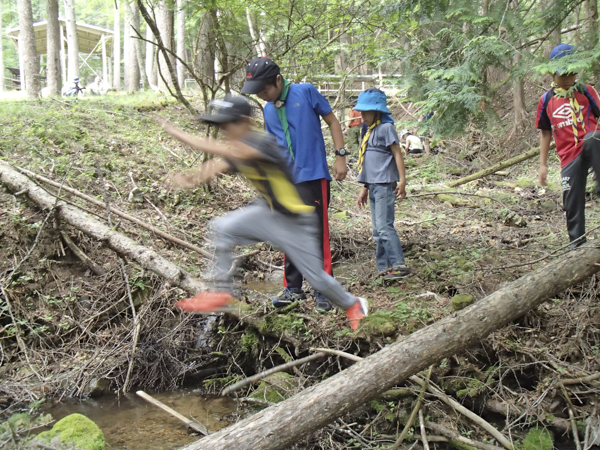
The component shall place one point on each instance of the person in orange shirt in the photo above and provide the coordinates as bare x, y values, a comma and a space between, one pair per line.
354, 127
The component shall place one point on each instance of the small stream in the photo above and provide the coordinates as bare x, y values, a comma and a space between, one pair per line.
130, 423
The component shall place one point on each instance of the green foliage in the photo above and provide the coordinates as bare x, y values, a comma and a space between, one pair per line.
539, 439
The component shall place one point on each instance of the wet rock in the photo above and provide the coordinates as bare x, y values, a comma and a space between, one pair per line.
275, 388
136, 195
97, 387
513, 219
74, 431
461, 301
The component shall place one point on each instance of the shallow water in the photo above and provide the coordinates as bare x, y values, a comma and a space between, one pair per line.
131, 423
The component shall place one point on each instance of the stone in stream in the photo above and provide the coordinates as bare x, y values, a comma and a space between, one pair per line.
74, 431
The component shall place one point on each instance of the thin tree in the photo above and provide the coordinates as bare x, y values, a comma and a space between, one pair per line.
72, 41
180, 41
117, 48
2, 86
164, 22
27, 49
132, 70
53, 75
150, 57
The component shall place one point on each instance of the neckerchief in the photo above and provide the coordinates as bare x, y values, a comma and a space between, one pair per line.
363, 147
576, 110
280, 108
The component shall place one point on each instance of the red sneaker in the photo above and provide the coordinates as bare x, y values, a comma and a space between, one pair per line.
356, 312
206, 302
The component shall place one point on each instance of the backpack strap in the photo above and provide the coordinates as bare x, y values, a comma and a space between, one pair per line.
593, 105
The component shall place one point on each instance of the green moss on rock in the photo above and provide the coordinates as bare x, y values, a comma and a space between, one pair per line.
78, 432
379, 325
275, 388
250, 341
461, 301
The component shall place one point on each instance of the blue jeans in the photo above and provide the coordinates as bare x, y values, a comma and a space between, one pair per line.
389, 249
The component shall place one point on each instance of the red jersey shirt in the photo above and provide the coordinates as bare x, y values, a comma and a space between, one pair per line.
558, 117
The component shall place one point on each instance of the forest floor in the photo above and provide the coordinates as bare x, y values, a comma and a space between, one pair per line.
68, 332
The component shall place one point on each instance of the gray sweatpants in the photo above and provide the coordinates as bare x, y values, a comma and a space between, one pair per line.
295, 235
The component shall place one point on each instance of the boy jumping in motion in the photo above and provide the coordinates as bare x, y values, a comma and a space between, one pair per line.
280, 217
570, 112
381, 170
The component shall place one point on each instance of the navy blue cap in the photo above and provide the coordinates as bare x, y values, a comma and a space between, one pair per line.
230, 109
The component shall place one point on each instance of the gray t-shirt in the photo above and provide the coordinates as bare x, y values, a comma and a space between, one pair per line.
379, 165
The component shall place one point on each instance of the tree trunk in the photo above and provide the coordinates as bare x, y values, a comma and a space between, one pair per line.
520, 115
131, 45
164, 22
117, 48
592, 34
72, 42
53, 75
282, 425
2, 84
150, 57
28, 52
181, 41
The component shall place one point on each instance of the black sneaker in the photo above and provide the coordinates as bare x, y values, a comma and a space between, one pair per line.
288, 296
322, 303
397, 273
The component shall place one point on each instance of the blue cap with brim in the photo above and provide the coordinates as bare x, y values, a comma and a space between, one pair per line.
374, 100
558, 52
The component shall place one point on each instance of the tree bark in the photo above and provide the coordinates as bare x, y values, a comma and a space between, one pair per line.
72, 41
592, 34
284, 424
28, 52
150, 57
496, 167
164, 23
2, 84
117, 48
520, 115
53, 75
181, 41
131, 45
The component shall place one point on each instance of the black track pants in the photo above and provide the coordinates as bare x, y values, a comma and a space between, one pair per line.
317, 194
574, 178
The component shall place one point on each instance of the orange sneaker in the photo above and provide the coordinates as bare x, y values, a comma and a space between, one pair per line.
206, 302
356, 312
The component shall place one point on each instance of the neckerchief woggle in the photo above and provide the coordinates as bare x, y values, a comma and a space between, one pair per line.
576, 110
363, 147
280, 108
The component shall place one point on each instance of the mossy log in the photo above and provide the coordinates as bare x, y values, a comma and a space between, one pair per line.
282, 425
496, 167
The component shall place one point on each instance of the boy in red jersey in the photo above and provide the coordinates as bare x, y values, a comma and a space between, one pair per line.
570, 112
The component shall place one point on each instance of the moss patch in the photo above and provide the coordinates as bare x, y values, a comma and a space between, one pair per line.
78, 431
250, 341
461, 301
538, 439
275, 388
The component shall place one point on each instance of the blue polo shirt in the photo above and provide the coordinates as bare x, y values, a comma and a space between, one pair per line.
304, 107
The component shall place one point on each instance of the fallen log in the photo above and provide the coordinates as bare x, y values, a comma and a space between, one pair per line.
282, 425
122, 245
119, 213
496, 167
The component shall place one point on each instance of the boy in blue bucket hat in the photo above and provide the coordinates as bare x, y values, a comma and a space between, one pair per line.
381, 170
569, 112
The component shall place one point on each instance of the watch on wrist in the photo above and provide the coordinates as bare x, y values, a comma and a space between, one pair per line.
341, 152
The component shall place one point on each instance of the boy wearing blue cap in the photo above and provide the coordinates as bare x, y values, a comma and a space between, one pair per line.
280, 217
381, 170
569, 112
293, 114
